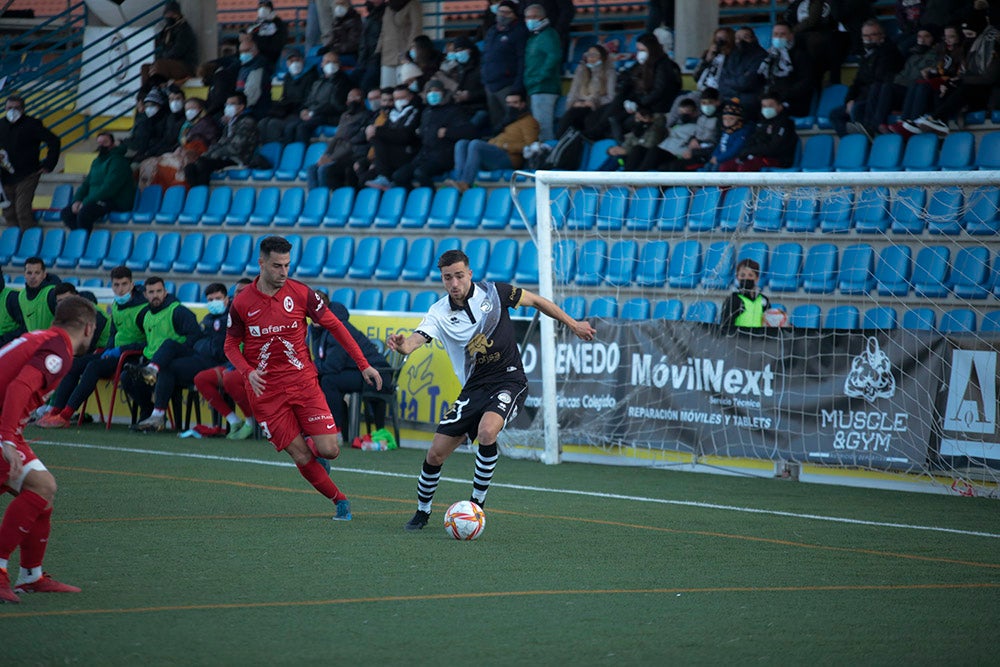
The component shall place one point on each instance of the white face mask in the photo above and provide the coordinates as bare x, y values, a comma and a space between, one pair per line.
330, 69
641, 56
151, 110
340, 11
190, 114
230, 110
263, 13
400, 104
13, 115
176, 106
295, 68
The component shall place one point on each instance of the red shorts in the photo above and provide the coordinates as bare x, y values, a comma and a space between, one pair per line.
286, 413
30, 461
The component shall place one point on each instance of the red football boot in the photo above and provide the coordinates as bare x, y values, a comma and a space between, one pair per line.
46, 585
6, 595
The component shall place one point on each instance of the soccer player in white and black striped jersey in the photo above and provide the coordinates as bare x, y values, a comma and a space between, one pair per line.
474, 326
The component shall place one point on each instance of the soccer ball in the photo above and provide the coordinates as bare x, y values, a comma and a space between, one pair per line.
464, 520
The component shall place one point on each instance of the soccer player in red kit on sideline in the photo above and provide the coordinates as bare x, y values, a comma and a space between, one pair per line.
269, 318
31, 367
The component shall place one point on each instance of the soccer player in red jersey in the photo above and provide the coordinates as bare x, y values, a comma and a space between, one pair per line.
269, 318
31, 367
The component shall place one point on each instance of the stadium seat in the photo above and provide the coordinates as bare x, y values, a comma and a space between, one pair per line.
574, 306
882, 318
735, 212
291, 162
819, 271
944, 208
444, 245
339, 208
582, 214
52, 243
194, 207
423, 301
365, 258
214, 254
988, 155
391, 259
419, 260
685, 265
420, 203
769, 211
313, 257
123, 217
959, 320
271, 151
702, 311
171, 205
503, 261
703, 211
564, 254
673, 209
835, 210
165, 246
621, 263
603, 306
142, 252
397, 301
957, 152
636, 309
366, 205
390, 208
991, 322
671, 309
930, 272
802, 210
786, 261
652, 269
527, 207
219, 202
478, 252
72, 250
892, 271
190, 292
818, 154
265, 208
560, 200
118, 250
805, 316
886, 153
9, 239
526, 272
369, 299
871, 214
62, 196
852, 153
982, 212
468, 214
314, 208
290, 208
191, 250
919, 319
611, 209
971, 275
920, 153
592, 262
598, 154
857, 269
313, 153
830, 98
758, 252
28, 246
842, 317
242, 207
644, 209
344, 296
907, 209
719, 271
146, 208
497, 212
237, 255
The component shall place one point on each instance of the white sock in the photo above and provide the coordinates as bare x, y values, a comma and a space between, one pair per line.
3, 563
249, 421
232, 419
30, 576
158, 412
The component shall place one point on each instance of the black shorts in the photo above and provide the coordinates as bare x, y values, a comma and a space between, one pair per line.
466, 412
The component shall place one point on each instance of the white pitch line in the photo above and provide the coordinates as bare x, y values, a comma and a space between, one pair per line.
541, 489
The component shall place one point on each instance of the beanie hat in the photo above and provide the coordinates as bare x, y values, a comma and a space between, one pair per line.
733, 108
155, 96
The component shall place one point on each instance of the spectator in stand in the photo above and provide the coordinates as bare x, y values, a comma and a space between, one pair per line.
880, 63
708, 128
786, 71
909, 21
38, 298
369, 70
346, 32
676, 145
11, 321
327, 99
395, 142
849, 16
401, 23
198, 133
462, 79
740, 76
269, 33
706, 74
334, 168
220, 76
424, 55
890, 95
560, 15
236, 147
175, 49
652, 83
503, 60
296, 84
254, 78
773, 142
594, 84
949, 58
21, 137
379, 117
646, 131
504, 151
746, 306
108, 186
542, 69
815, 30
149, 127
169, 140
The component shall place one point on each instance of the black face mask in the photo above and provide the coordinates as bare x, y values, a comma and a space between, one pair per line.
747, 284
687, 118
170, 20
355, 106
920, 49
513, 113
103, 150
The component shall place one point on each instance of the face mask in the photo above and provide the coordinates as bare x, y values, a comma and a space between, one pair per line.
330, 69
190, 114
13, 115
400, 104
413, 54
176, 106
708, 109
768, 112
151, 110
532, 24
340, 11
721, 42
595, 65
372, 106
169, 20
246, 57
779, 42
641, 56
263, 13
513, 112
414, 86
494, 7
230, 110
295, 68
462, 56
434, 98
504, 21
450, 56
216, 307
103, 150
747, 284
123, 299
687, 118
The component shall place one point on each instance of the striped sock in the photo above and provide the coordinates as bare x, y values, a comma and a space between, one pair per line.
427, 485
486, 462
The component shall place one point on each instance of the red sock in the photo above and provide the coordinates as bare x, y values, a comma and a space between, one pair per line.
315, 475
34, 543
66, 413
20, 518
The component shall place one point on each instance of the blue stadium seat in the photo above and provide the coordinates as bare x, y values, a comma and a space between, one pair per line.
162, 260
574, 306
819, 271
291, 162
419, 260
882, 318
365, 207
957, 152
796, 160
930, 272
119, 249
219, 202
72, 250
892, 271
671, 309
842, 317
242, 207
735, 213
339, 208
194, 207
560, 199
919, 319
443, 246
802, 210
390, 208
592, 262
503, 261
391, 259
313, 258
191, 250
314, 208
171, 205
582, 214
365, 258
674, 208
704, 209
835, 210
944, 208
603, 306
852, 153
971, 275
758, 252
719, 271
271, 151
644, 209
266, 207
8, 243
527, 206
598, 154
907, 209
237, 255
857, 269
497, 212
611, 208
991, 322
830, 98
564, 260
818, 154
959, 320
685, 264
290, 208
397, 301
652, 269
988, 155
469, 212
478, 252
417, 208
621, 263
636, 309
982, 212
920, 153
62, 196
213, 255
344, 296
142, 252
52, 243
806, 316
72, 280
28, 246
786, 261
313, 153
527, 265
147, 207
190, 292
886, 153
769, 211
97, 282
702, 311
423, 301
871, 213
122, 217
369, 299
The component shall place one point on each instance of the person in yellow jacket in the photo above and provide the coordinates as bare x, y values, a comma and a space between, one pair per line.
746, 306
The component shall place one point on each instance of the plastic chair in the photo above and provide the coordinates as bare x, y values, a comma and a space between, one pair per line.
419, 260
72, 250
173, 203
387, 394
960, 320
314, 208
313, 153
219, 202
830, 98
786, 261
290, 208
605, 307
818, 154
652, 268
685, 265
115, 381
871, 213
882, 318
769, 212
892, 271
192, 247
806, 316
857, 269
592, 263
271, 152
988, 155
369, 299
237, 255
423, 301
189, 292
365, 206
598, 154
842, 317
503, 260
214, 254
391, 259
957, 152
802, 210
397, 301
644, 209
9, 238
526, 272
62, 196
265, 208
339, 257
527, 206
313, 257
142, 251
919, 319
574, 306
991, 322
735, 213
365, 258
819, 272
418, 206
339, 208
672, 309
478, 252
497, 212
622, 261
907, 210
886, 153
920, 153
96, 251
702, 311
468, 214
244, 201
52, 243
944, 208
195, 204
930, 271
582, 213
719, 267
852, 153
982, 212
148, 205
835, 210
611, 207
703, 210
390, 208
636, 309
291, 162
29, 245
344, 295
971, 276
